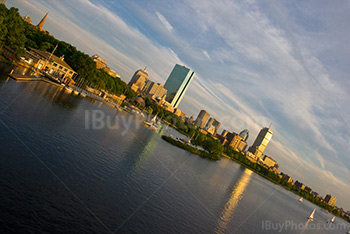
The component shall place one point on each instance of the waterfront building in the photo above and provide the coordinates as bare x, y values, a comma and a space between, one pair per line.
41, 23
138, 80
202, 118
244, 134
269, 162
2, 2
308, 189
261, 141
330, 200
45, 61
177, 84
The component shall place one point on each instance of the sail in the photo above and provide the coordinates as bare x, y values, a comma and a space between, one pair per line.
332, 220
312, 214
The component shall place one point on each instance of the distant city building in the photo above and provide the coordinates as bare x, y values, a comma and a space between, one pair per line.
242, 145
212, 126
2, 1
154, 89
234, 142
100, 63
177, 84
180, 113
286, 177
224, 133
41, 23
261, 141
269, 162
308, 189
139, 79
330, 200
299, 185
244, 134
202, 118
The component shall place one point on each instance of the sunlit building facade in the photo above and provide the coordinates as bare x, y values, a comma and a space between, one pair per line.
177, 84
330, 200
261, 141
202, 118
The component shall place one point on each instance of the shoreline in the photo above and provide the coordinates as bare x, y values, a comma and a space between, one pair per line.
185, 147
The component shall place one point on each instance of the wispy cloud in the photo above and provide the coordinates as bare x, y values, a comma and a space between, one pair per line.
166, 24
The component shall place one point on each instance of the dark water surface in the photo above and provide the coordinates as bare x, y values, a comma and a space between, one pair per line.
57, 175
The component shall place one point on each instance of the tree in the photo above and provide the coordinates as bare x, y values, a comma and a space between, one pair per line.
15, 37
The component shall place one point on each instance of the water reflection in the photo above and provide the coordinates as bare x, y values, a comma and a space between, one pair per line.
231, 204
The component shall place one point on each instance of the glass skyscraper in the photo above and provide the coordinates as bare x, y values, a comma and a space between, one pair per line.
177, 84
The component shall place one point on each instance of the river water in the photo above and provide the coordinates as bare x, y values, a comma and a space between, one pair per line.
60, 172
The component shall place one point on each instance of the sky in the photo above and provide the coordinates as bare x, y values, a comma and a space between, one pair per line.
283, 64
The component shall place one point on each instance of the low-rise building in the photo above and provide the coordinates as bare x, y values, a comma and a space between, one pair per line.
44, 61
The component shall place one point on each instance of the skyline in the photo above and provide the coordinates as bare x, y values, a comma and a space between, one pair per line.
285, 49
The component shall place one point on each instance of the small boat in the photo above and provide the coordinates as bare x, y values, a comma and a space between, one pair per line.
332, 220
68, 89
82, 93
348, 232
301, 199
311, 217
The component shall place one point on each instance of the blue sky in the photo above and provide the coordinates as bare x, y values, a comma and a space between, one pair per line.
257, 63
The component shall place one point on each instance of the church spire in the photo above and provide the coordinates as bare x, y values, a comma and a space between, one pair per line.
41, 24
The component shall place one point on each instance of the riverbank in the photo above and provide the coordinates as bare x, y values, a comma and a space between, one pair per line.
261, 171
190, 148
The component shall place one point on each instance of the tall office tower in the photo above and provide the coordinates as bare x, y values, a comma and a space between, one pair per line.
201, 119
138, 80
177, 84
244, 134
261, 141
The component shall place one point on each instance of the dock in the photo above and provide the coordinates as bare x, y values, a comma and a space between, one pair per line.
19, 77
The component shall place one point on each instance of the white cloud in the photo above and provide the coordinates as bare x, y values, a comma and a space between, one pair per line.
166, 24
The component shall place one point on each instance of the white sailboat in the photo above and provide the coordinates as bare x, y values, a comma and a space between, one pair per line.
332, 220
301, 199
311, 217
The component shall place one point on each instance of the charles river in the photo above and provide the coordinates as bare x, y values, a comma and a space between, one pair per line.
59, 175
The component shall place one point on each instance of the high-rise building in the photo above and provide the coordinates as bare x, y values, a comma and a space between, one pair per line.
41, 23
244, 134
177, 84
139, 79
201, 119
330, 200
212, 126
261, 141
